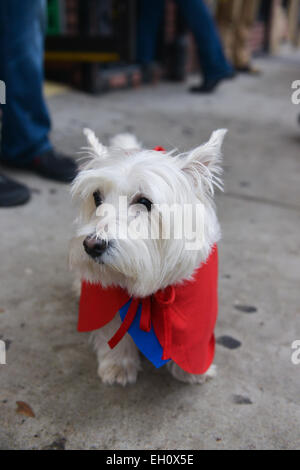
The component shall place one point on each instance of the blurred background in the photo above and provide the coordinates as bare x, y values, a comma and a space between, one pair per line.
170, 72
93, 44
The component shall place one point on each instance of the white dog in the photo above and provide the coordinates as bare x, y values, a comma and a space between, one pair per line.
141, 265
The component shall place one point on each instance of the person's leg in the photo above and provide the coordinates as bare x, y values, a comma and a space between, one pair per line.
242, 58
212, 58
150, 17
26, 122
226, 14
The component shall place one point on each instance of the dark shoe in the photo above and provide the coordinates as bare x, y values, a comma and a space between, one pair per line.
50, 165
208, 86
12, 193
55, 166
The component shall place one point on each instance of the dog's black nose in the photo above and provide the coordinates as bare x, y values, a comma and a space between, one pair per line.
94, 246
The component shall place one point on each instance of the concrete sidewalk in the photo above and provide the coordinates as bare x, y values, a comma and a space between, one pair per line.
254, 401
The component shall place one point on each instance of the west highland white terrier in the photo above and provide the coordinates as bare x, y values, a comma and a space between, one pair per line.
128, 244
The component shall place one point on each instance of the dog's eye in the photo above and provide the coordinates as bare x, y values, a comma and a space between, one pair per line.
145, 202
97, 198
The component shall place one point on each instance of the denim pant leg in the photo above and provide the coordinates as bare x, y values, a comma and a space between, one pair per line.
25, 118
211, 55
150, 17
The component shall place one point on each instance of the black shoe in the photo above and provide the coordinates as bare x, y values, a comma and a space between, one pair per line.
55, 166
50, 165
12, 193
208, 86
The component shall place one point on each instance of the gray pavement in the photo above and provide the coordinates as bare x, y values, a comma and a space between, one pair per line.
254, 401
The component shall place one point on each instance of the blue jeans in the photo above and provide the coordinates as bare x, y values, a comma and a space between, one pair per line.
198, 17
25, 118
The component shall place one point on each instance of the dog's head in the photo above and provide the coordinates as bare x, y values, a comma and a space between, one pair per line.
147, 217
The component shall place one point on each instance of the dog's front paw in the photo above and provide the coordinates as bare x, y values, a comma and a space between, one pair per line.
122, 373
183, 376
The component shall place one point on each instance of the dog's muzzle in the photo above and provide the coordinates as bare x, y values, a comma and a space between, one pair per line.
95, 247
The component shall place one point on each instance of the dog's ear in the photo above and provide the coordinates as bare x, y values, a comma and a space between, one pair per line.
98, 149
203, 164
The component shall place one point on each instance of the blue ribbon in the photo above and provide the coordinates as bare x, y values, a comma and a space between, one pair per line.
147, 342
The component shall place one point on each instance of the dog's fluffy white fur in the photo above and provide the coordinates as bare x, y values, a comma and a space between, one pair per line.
142, 266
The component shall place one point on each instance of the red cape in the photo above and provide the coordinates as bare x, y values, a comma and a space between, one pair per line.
183, 316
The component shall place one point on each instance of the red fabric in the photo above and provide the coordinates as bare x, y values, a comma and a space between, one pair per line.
125, 324
183, 316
